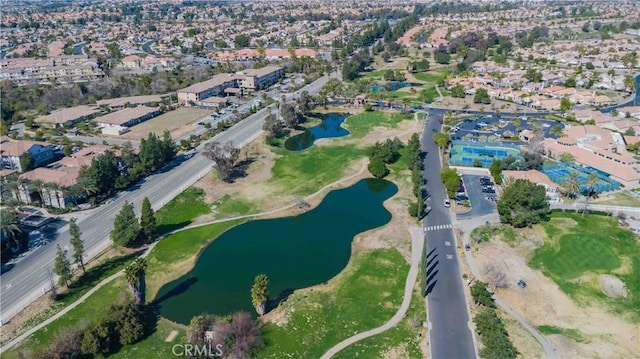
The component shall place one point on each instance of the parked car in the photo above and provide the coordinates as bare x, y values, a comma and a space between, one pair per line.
522, 283
447, 203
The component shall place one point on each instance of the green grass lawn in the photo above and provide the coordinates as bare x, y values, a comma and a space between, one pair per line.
432, 77
376, 73
305, 172
573, 334
89, 310
622, 199
590, 245
182, 210
228, 206
365, 296
361, 124
401, 340
154, 346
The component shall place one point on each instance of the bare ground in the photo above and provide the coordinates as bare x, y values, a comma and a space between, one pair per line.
543, 303
177, 122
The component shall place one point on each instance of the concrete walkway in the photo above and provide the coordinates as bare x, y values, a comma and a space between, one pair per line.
467, 226
417, 246
108, 280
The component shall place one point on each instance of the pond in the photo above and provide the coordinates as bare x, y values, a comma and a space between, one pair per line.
294, 252
329, 127
390, 86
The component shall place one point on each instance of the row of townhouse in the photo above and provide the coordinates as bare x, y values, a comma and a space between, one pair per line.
52, 70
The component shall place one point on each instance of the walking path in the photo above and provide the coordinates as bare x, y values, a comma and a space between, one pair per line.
467, 226
108, 280
439, 93
417, 246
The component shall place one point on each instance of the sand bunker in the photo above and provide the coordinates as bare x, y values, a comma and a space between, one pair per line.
612, 286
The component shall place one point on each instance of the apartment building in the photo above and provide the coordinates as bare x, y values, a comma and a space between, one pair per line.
61, 69
258, 79
213, 87
117, 123
67, 117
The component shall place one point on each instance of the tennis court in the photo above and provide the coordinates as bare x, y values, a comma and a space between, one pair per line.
464, 153
559, 173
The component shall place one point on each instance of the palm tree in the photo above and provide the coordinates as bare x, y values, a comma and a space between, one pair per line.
86, 185
259, 294
134, 274
12, 187
37, 185
405, 102
571, 185
9, 223
56, 189
591, 190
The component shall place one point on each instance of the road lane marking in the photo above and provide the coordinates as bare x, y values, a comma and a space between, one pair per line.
447, 243
449, 256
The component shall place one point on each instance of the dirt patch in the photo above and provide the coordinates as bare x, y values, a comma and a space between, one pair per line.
177, 122
612, 286
171, 336
543, 303
399, 352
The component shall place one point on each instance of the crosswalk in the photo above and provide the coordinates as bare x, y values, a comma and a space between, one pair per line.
438, 227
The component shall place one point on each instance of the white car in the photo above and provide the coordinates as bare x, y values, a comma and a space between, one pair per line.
447, 203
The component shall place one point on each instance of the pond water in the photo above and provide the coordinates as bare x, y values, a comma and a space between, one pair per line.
329, 127
294, 252
390, 86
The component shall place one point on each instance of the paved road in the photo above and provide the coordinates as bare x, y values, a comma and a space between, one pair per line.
146, 47
28, 280
417, 246
449, 333
480, 206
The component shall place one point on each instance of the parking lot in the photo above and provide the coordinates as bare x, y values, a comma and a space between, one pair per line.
482, 196
471, 129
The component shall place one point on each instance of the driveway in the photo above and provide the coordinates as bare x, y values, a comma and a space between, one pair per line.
480, 206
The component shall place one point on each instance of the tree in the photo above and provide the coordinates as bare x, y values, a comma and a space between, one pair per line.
26, 162
628, 82
259, 293
304, 102
224, 157
241, 41
496, 171
125, 226
76, 243
565, 104
441, 139
457, 91
481, 294
523, 203
147, 221
134, 274
377, 167
567, 157
590, 190
289, 115
9, 223
451, 180
414, 152
571, 185
273, 125
62, 267
481, 96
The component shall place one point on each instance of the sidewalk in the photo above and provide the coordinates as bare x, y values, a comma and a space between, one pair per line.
466, 226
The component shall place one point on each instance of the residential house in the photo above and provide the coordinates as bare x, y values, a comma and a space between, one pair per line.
41, 153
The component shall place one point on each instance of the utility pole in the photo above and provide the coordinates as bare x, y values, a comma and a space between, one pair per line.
53, 285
